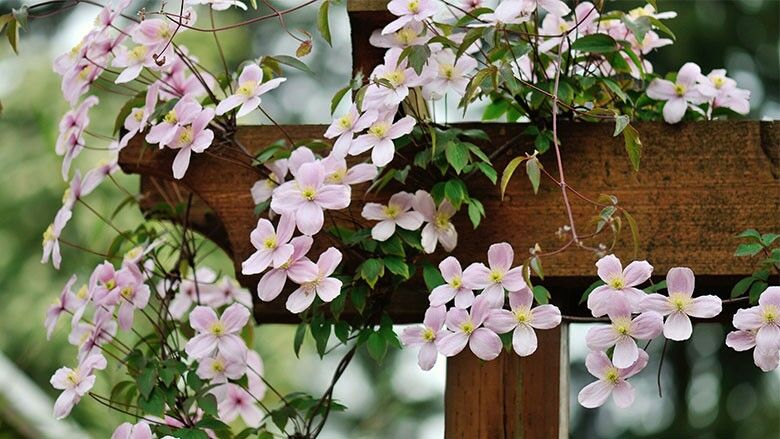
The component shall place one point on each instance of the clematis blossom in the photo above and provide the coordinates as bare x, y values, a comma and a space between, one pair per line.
465, 327
337, 172
264, 188
679, 94
75, 383
136, 121
344, 128
313, 280
379, 139
220, 369
218, 5
620, 285
397, 213
272, 246
612, 380
194, 137
238, 402
444, 72
522, 320
408, 11
397, 77
762, 320
133, 60
411, 34
250, 88
425, 336
439, 228
740, 340
679, 306
308, 196
623, 332
134, 294
554, 7
272, 282
182, 114
454, 288
51, 238
127, 430
65, 303
508, 12
218, 334
498, 278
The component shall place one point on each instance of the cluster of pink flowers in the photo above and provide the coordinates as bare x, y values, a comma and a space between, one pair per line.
476, 320
621, 300
758, 328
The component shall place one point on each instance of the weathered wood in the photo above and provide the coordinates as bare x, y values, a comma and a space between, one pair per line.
510, 397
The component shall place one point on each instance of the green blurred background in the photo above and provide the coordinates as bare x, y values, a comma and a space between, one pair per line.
709, 391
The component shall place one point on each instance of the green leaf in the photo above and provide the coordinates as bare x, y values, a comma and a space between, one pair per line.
488, 171
393, 246
495, 109
376, 346
476, 211
621, 122
536, 266
371, 270
338, 97
768, 238
397, 266
341, 331
756, 289
742, 286
655, 287
300, 334
146, 381
751, 249
750, 233
12, 33
208, 403
634, 231
320, 330
154, 405
508, 171
541, 294
595, 43
432, 276
471, 36
292, 62
457, 155
322, 22
454, 191
633, 146
532, 167
358, 297
615, 88
418, 57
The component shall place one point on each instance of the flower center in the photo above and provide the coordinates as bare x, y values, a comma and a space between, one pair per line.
680, 89
73, 377
48, 234
82, 292
405, 36
617, 283
110, 284
622, 325
718, 81
345, 121
308, 193
137, 53
770, 314
134, 252
392, 211
441, 221
456, 282
218, 365
217, 329
85, 72
679, 301
270, 242
337, 176
138, 114
379, 129
127, 292
496, 276
428, 335
170, 117
447, 70
467, 327
523, 315
414, 6
612, 375
186, 136
395, 78
246, 89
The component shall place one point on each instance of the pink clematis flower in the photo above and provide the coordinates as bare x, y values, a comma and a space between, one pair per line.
623, 333
218, 5
554, 7
156, 32
127, 430
439, 228
612, 380
397, 78
499, 277
454, 287
764, 319
218, 334
446, 72
66, 302
264, 188
194, 137
397, 213
466, 328
199, 289
620, 285
133, 292
425, 336
75, 383
133, 60
379, 139
345, 127
92, 336
51, 238
76, 81
272, 246
250, 88
766, 360
298, 157
337, 172
228, 291
508, 12
522, 319
411, 34
73, 124
137, 120
183, 113
238, 401
680, 304
314, 281
220, 369
307, 196
723, 91
272, 282
408, 11
679, 94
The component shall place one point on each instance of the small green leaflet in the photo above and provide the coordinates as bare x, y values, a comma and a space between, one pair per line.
322, 22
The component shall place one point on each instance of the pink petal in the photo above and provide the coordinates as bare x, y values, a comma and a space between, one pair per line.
501, 321
409, 220
637, 272
599, 299
334, 196
374, 212
482, 307
251, 73
500, 256
435, 317
412, 336
228, 104
748, 318
450, 268
597, 363
522, 298
235, 317
423, 203
609, 267
309, 218
623, 393
626, 353
383, 152
524, 340
689, 73
768, 337
661, 90
545, 317
232, 347
441, 295
674, 109
704, 307
452, 343
464, 298
656, 302
594, 394
271, 284
427, 356
201, 346
429, 238
741, 340
601, 337
402, 127
328, 261
299, 301
635, 368
647, 325
256, 263
493, 296
513, 279
680, 280
181, 162
770, 296
678, 327
476, 276
455, 318
328, 289
485, 344
383, 230
202, 318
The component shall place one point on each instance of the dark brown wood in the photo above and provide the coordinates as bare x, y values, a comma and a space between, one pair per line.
510, 397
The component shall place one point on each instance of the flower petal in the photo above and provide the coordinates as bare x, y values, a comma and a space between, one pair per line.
485, 344
594, 394
678, 327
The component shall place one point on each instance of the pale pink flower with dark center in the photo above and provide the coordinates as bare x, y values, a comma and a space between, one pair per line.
408, 11
250, 88
379, 139
467, 328
238, 402
314, 281
194, 137
272, 282
611, 381
454, 288
228, 291
439, 228
426, 335
66, 303
499, 277
623, 332
680, 304
126, 430
51, 238
218, 334
679, 94
337, 172
522, 319
620, 285
220, 369
75, 383
766, 360
398, 212
308, 196
272, 246
345, 127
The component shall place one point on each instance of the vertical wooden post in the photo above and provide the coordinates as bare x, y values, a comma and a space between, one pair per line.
510, 397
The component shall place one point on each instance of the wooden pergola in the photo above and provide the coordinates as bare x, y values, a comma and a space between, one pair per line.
700, 185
